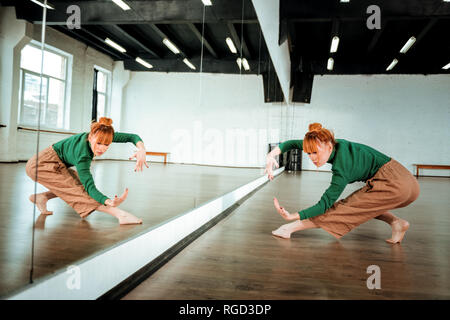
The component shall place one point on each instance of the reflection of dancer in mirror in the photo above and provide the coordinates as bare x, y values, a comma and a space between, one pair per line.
77, 188
389, 185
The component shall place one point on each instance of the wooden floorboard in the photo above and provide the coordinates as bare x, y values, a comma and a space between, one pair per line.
157, 194
240, 259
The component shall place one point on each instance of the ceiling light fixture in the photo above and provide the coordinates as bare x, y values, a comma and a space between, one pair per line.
245, 64
330, 64
408, 45
48, 5
121, 4
334, 44
207, 2
115, 45
392, 65
171, 46
144, 63
231, 45
239, 62
189, 64
345, 1
446, 67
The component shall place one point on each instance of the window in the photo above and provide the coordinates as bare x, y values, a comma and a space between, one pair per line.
52, 98
103, 90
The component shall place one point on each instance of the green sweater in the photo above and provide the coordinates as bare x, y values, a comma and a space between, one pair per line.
350, 162
76, 151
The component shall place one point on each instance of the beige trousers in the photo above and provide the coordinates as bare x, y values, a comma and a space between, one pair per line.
63, 182
393, 186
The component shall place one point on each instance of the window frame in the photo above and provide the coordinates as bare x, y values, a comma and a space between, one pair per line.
67, 80
108, 91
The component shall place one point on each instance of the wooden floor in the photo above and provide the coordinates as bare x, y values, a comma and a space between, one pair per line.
240, 259
155, 195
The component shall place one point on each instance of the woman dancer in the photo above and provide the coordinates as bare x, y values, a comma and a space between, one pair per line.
389, 185
77, 188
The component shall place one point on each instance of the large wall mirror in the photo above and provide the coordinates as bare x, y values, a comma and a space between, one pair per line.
193, 81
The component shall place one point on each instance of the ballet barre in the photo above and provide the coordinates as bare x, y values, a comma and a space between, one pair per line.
163, 154
2, 126
430, 166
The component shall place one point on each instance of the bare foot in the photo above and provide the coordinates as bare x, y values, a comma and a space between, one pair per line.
399, 228
282, 232
41, 203
128, 218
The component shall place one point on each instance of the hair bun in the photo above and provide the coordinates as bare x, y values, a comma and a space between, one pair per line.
105, 121
315, 127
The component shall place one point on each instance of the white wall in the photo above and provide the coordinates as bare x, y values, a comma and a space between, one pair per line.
12, 32
204, 119
14, 35
406, 117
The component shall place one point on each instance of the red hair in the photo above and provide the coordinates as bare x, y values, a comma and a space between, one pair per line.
102, 130
315, 135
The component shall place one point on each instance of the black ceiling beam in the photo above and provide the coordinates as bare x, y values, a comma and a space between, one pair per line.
425, 30
104, 44
357, 9
77, 34
240, 46
364, 18
377, 36
142, 12
205, 41
135, 41
162, 35
209, 65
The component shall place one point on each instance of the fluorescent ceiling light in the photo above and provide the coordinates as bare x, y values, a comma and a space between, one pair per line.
334, 44
239, 62
144, 63
41, 3
446, 67
330, 64
189, 64
408, 45
207, 2
115, 45
392, 65
246, 65
121, 4
345, 0
171, 46
231, 45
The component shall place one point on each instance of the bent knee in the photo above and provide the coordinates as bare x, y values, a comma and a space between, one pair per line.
30, 168
415, 192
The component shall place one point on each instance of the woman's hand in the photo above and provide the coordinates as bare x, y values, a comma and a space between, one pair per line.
117, 200
270, 163
283, 212
141, 157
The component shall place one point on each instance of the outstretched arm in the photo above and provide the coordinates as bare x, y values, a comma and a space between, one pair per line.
271, 162
140, 156
284, 213
282, 148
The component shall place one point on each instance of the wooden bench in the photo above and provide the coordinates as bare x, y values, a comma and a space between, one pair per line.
163, 154
430, 166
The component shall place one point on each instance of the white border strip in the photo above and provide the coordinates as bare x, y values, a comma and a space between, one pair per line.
95, 276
